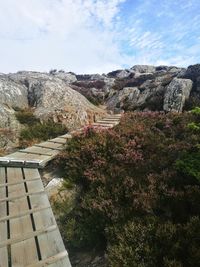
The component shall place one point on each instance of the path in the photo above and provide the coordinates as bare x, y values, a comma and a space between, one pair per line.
29, 235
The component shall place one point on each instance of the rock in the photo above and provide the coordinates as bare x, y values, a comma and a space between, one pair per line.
126, 96
67, 77
54, 186
176, 94
193, 72
57, 101
162, 68
119, 74
12, 96
170, 69
144, 68
53, 98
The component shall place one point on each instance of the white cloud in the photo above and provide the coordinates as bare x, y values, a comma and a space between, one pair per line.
77, 35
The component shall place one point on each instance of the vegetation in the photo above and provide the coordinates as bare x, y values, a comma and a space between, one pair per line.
35, 131
140, 191
26, 116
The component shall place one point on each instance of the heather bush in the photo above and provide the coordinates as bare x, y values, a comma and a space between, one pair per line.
40, 132
140, 190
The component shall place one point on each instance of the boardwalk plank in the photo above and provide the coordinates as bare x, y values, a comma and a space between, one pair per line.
40, 150
45, 218
22, 253
50, 145
25, 156
3, 225
59, 140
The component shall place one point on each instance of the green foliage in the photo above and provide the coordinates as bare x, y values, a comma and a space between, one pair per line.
196, 111
140, 191
26, 117
34, 130
194, 126
42, 131
192, 102
154, 243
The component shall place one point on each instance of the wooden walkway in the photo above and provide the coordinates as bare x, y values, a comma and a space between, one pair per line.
39, 155
29, 236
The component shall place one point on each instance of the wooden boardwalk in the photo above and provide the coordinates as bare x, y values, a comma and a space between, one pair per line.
29, 236
39, 155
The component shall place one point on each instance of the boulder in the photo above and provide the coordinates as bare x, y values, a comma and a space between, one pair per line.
193, 72
67, 77
144, 68
176, 94
126, 96
12, 94
119, 74
56, 100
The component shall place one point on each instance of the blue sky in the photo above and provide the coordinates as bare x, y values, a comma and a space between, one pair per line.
90, 36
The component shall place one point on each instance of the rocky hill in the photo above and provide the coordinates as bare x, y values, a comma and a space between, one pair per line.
73, 99
143, 87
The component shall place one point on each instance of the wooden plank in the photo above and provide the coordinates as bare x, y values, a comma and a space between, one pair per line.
27, 212
21, 196
50, 145
3, 225
60, 258
101, 125
26, 157
8, 162
25, 252
40, 150
45, 219
33, 153
59, 140
27, 237
18, 182
107, 122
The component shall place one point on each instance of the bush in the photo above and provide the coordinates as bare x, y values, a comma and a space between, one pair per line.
192, 102
40, 132
140, 191
26, 116
154, 243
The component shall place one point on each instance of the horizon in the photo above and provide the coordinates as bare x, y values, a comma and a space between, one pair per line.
96, 36
86, 73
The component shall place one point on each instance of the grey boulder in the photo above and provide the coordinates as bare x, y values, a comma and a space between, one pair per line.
176, 94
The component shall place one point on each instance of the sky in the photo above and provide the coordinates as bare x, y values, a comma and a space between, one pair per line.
97, 36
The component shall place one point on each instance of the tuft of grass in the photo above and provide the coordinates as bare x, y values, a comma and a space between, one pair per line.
26, 117
41, 132
34, 130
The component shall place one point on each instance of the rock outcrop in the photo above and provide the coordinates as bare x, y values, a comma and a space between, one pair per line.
49, 95
177, 92
12, 96
143, 68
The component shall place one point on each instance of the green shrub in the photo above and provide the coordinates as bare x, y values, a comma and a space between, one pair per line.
154, 243
26, 116
140, 191
192, 102
41, 132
